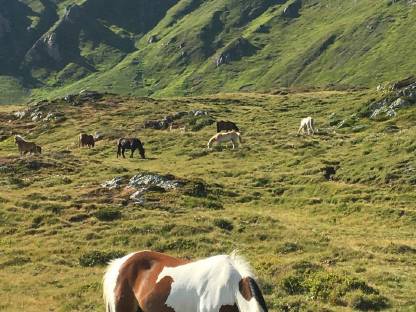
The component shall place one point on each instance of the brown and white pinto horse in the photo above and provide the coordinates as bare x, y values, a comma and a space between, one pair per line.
149, 281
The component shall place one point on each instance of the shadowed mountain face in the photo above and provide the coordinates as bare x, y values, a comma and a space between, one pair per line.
175, 47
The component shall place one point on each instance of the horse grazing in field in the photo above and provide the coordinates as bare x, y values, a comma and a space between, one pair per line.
177, 126
307, 125
226, 126
86, 140
26, 146
131, 144
232, 136
149, 281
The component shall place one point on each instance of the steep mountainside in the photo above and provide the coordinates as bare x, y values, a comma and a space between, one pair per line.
168, 47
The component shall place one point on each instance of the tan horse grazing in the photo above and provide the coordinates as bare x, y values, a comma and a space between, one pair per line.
149, 281
232, 136
26, 146
176, 126
86, 140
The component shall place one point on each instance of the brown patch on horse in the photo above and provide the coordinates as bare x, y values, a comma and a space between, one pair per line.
245, 290
138, 276
229, 308
248, 288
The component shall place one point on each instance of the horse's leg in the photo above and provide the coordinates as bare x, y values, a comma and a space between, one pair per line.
233, 143
132, 152
122, 152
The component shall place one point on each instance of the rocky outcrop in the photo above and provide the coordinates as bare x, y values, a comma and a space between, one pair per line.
235, 51
292, 10
165, 122
399, 95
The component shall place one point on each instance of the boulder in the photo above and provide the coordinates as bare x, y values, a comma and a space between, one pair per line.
235, 51
51, 46
113, 184
20, 115
152, 39
147, 180
138, 197
292, 10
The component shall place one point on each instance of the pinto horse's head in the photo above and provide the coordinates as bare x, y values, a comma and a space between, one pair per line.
253, 297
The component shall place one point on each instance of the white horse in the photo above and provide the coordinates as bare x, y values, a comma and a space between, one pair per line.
232, 136
307, 125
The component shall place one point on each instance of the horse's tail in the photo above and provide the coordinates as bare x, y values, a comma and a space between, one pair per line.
110, 282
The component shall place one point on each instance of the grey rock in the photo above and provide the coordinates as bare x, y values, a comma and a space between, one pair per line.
113, 184
20, 115
146, 180
137, 197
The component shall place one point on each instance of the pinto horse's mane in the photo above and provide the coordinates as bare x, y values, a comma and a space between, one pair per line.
241, 265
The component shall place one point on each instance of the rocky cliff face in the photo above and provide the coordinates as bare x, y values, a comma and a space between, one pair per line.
167, 47
4, 26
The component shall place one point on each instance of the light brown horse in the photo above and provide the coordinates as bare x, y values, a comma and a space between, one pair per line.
26, 146
149, 281
232, 136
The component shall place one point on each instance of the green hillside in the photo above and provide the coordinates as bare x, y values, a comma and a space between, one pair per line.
327, 221
180, 47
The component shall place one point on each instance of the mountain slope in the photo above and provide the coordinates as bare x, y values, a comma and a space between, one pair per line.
176, 47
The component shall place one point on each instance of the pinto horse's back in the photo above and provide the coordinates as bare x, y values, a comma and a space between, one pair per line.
154, 282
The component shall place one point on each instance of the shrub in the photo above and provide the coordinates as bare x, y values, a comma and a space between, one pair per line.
95, 258
293, 284
108, 214
224, 224
196, 189
288, 247
363, 302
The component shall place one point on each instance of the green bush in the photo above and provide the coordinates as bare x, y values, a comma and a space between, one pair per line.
224, 224
108, 214
95, 258
289, 247
364, 302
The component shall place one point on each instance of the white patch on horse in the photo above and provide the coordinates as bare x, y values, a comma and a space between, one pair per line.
204, 286
307, 125
110, 281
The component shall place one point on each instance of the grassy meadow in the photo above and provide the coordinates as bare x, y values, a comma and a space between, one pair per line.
343, 244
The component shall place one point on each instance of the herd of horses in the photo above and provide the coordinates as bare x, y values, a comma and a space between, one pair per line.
148, 281
227, 131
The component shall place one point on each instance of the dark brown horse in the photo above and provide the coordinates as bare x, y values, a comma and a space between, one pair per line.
149, 281
86, 140
226, 126
131, 144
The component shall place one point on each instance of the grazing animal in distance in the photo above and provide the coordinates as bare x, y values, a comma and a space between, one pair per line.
176, 126
131, 144
86, 140
307, 125
226, 126
149, 281
232, 136
26, 146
